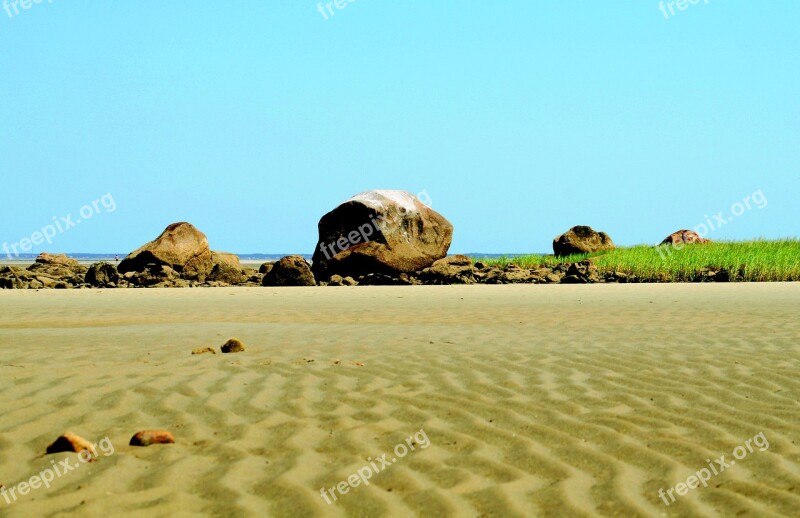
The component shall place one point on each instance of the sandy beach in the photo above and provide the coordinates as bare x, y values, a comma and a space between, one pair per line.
534, 400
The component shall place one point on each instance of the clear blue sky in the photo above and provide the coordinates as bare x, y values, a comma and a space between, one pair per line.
520, 119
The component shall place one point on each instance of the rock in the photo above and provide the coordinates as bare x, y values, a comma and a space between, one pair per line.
149, 437
13, 278
56, 259
292, 270
381, 231
234, 345
69, 442
203, 350
181, 247
684, 237
383, 279
154, 275
554, 277
227, 268
102, 275
338, 280
454, 269
266, 267
518, 276
49, 271
617, 276
581, 240
59, 268
585, 271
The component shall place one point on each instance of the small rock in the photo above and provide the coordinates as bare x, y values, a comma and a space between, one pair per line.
203, 350
234, 345
148, 437
71, 443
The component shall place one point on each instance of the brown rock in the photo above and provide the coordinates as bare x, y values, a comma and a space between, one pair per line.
338, 280
59, 259
71, 443
382, 231
684, 236
102, 275
580, 273
292, 270
227, 268
453, 269
181, 247
581, 240
234, 345
57, 268
203, 350
148, 437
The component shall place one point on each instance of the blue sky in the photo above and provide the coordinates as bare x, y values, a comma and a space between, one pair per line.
520, 119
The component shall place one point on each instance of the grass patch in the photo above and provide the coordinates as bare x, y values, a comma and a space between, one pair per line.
751, 261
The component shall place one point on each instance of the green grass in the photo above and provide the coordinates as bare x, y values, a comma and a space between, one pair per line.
752, 261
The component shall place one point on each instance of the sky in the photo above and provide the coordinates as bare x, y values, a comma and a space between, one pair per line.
517, 120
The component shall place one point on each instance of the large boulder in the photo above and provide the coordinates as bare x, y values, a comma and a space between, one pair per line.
382, 231
226, 269
181, 247
292, 270
581, 240
684, 237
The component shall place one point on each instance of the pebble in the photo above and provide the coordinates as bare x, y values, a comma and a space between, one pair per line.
70, 442
148, 437
234, 345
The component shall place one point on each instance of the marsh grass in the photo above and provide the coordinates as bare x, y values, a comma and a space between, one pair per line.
751, 261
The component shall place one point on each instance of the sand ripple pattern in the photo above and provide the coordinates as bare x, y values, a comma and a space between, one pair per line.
538, 400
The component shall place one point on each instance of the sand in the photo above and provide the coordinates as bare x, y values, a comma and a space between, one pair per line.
531, 400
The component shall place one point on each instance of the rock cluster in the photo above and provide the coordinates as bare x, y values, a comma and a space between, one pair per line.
381, 237
49, 271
